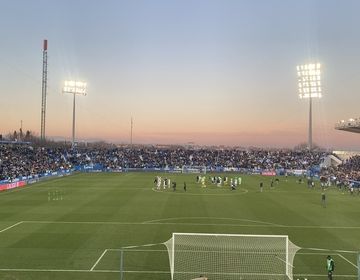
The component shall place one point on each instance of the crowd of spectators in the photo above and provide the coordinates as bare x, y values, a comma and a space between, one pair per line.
349, 170
26, 160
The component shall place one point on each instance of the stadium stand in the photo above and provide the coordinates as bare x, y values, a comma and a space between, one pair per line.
27, 160
331, 160
351, 125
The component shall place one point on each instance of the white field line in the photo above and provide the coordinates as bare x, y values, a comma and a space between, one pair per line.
43, 270
354, 265
192, 224
147, 271
81, 270
14, 225
330, 250
139, 246
239, 192
98, 260
321, 254
129, 249
210, 218
135, 271
325, 276
195, 251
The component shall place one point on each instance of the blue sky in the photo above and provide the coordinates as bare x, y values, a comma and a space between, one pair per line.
210, 72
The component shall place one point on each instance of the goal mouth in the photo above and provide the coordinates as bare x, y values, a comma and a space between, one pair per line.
230, 256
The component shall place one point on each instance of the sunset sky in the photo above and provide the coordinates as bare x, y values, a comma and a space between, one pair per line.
209, 72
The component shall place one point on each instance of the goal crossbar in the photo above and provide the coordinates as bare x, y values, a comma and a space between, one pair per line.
225, 234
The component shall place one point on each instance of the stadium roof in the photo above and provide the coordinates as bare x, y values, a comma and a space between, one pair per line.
351, 125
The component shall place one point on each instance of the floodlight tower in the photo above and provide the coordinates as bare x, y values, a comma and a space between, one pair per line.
75, 88
309, 83
43, 91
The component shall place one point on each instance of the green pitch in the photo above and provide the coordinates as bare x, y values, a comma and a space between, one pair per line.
74, 227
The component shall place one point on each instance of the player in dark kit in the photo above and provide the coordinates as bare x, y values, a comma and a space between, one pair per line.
185, 186
174, 186
323, 199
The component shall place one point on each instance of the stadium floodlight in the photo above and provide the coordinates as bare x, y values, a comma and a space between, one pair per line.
309, 83
75, 88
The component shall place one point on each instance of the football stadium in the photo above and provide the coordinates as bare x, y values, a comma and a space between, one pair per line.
214, 180
103, 220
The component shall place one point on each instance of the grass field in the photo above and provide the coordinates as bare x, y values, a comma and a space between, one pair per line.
73, 227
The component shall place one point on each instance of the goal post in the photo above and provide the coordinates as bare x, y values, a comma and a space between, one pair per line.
231, 256
358, 265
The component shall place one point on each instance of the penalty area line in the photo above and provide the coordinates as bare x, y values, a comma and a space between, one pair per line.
9, 227
323, 276
341, 256
43, 270
82, 270
136, 272
331, 250
98, 260
262, 224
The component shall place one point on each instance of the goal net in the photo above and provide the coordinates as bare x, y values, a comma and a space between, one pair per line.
231, 256
193, 169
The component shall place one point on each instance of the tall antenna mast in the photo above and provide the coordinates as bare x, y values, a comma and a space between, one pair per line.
43, 91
